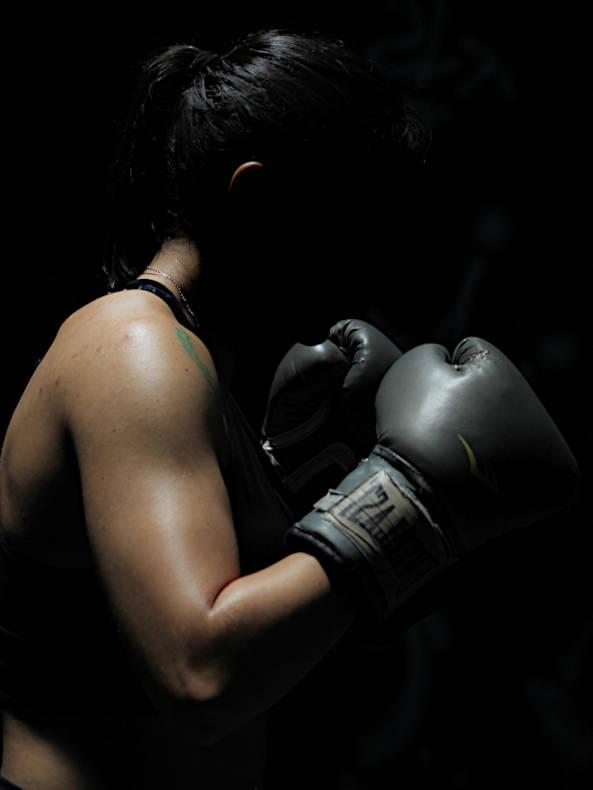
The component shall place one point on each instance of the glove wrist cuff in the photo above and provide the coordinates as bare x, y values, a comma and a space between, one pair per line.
306, 469
374, 534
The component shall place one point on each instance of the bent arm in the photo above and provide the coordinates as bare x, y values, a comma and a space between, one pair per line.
266, 631
213, 648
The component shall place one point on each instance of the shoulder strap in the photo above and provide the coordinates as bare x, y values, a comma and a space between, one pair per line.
165, 294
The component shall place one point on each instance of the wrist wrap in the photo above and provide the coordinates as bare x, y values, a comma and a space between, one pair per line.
373, 535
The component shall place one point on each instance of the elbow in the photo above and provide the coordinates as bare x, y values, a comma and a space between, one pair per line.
199, 707
200, 683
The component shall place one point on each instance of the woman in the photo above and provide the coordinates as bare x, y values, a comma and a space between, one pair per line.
149, 614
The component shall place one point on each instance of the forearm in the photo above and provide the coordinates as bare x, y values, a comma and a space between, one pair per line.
265, 632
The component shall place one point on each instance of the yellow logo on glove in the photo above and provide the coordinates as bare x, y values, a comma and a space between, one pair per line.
487, 477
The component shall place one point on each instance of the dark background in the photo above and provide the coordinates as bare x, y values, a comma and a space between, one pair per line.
495, 685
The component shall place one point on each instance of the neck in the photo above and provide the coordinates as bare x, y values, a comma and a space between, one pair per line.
178, 266
181, 260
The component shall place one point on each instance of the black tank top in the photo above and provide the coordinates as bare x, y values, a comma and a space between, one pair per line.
60, 650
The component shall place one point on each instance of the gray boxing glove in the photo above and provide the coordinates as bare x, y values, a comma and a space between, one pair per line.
465, 452
320, 414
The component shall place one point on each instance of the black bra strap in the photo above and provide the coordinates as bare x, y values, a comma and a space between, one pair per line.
159, 290
167, 296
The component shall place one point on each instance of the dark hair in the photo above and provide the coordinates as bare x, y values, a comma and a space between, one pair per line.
273, 95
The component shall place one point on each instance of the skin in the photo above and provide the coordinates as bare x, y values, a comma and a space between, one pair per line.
143, 496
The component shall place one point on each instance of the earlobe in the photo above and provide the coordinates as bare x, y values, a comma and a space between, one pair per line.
245, 167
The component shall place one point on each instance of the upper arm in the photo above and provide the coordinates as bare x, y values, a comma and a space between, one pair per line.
146, 425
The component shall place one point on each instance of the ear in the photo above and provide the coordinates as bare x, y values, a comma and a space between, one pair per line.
243, 175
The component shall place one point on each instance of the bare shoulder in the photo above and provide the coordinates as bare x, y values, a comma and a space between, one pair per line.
133, 333
124, 355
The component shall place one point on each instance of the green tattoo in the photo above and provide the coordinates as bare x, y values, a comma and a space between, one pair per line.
185, 341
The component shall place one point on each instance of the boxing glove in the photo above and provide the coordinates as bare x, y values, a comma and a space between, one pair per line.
320, 412
465, 452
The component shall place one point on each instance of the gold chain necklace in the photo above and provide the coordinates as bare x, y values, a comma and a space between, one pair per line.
184, 299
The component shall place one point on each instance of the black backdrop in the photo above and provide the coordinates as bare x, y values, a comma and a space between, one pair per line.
495, 685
